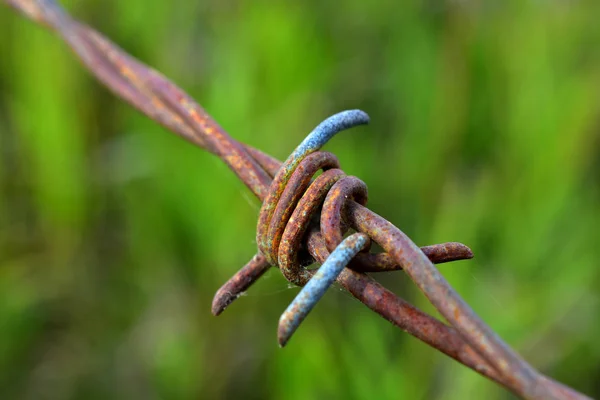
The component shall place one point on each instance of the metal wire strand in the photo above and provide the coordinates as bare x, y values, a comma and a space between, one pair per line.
469, 340
312, 292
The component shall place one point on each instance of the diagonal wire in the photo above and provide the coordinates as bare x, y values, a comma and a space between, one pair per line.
469, 340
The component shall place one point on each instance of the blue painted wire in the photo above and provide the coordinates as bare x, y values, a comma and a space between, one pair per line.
329, 127
322, 134
312, 292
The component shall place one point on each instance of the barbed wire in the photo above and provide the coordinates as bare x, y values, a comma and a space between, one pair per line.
288, 234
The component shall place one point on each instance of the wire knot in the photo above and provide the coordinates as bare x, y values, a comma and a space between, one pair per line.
293, 199
298, 207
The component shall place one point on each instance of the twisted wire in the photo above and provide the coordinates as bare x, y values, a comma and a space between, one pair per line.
468, 340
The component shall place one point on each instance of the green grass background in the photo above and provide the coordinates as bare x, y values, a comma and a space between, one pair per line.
115, 234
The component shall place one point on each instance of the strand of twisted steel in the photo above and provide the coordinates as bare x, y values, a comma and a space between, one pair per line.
316, 287
422, 326
447, 301
126, 87
148, 91
313, 142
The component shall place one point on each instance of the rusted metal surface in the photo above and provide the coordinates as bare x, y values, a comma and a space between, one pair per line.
298, 224
293, 191
313, 142
332, 224
437, 254
468, 340
254, 269
148, 91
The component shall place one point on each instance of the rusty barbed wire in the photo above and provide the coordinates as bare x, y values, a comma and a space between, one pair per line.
468, 340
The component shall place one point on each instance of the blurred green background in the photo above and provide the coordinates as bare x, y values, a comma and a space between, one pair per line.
115, 234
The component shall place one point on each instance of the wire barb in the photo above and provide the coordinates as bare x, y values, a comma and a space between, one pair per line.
312, 292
